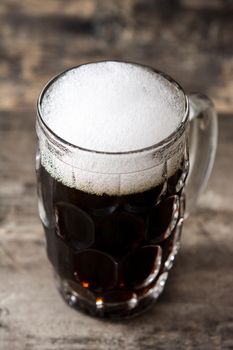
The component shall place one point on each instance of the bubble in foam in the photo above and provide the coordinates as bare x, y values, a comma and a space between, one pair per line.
112, 107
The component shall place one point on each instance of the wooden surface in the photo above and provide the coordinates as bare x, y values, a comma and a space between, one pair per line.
192, 41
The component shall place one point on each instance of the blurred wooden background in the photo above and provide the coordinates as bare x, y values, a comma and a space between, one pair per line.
189, 39
192, 40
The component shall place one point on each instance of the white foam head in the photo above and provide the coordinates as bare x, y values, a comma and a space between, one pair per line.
110, 107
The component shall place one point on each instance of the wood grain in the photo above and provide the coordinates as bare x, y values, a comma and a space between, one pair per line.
195, 311
192, 41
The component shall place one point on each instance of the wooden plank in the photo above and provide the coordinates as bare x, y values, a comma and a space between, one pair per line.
195, 311
190, 41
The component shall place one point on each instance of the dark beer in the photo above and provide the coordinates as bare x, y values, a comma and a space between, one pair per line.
112, 163
108, 252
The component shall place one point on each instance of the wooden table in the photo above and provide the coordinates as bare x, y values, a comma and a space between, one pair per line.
191, 41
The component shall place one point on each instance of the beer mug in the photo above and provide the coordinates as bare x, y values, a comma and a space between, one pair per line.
113, 179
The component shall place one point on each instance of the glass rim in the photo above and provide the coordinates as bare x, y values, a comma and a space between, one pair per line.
166, 141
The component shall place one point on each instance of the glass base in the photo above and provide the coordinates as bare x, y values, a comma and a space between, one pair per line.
132, 305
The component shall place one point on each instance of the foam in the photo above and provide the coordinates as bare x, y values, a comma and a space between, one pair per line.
111, 107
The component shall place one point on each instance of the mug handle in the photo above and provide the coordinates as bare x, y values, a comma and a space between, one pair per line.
203, 139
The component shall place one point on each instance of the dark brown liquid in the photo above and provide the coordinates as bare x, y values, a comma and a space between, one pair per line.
111, 246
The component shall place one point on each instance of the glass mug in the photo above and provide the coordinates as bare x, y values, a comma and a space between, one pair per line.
111, 254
